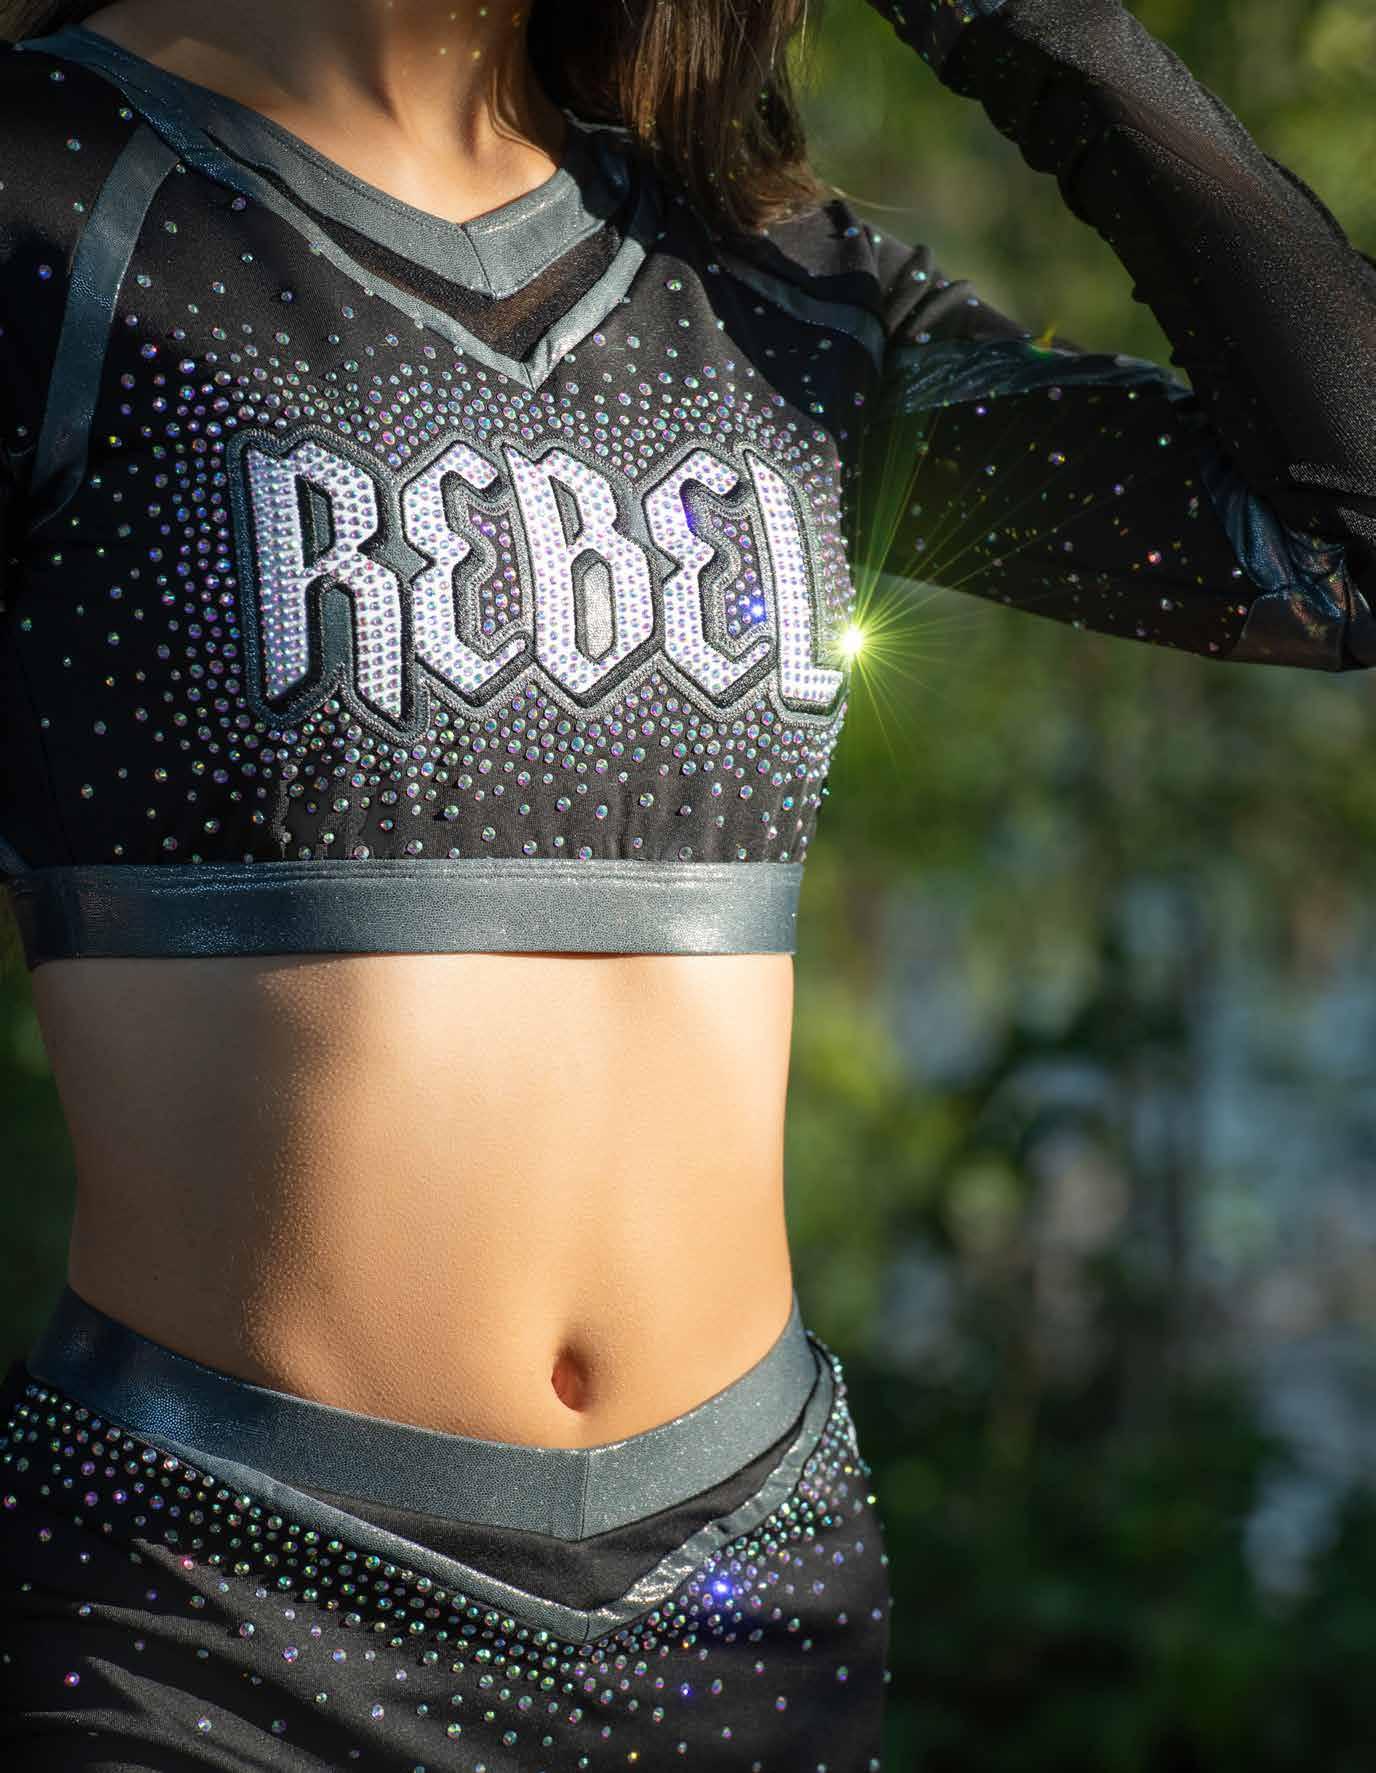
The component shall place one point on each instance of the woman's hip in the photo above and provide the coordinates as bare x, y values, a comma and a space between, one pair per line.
197, 1569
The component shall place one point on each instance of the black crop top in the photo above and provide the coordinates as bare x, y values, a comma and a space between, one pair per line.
375, 583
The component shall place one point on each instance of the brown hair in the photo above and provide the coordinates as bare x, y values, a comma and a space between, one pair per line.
704, 87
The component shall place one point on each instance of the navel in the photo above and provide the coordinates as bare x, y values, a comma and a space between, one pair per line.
570, 1380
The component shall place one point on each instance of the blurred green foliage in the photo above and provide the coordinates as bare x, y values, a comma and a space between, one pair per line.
1094, 841
1102, 835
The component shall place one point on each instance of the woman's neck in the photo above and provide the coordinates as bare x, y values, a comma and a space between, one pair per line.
452, 78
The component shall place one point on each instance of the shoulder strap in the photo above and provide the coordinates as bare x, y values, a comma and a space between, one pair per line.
98, 270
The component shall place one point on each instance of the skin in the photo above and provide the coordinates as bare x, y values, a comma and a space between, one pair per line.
534, 1198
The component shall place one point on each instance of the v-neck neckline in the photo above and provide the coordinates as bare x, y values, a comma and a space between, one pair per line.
495, 253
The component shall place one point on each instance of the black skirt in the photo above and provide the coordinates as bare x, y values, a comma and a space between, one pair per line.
198, 1572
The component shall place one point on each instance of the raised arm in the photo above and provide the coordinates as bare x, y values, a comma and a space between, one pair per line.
1233, 516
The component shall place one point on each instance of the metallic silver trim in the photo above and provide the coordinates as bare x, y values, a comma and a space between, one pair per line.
166, 112
497, 253
138, 1385
444, 905
98, 268
847, 317
259, 1493
572, 1493
918, 377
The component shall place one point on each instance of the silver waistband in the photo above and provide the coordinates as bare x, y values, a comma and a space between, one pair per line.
435, 906
572, 1492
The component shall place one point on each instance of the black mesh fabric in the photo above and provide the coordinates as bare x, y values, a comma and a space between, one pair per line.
580, 1573
1269, 307
513, 323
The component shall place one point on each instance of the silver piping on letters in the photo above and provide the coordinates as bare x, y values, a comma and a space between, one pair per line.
601, 563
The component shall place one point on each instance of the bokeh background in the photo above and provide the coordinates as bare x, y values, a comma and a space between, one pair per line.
1082, 1147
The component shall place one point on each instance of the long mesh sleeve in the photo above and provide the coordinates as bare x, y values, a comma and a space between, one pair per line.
1233, 515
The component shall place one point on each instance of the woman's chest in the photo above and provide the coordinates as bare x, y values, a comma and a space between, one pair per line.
363, 559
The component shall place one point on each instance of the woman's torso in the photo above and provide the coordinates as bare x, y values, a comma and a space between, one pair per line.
534, 1197
430, 1187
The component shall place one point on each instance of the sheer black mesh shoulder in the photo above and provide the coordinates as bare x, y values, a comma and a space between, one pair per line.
1228, 510
1064, 482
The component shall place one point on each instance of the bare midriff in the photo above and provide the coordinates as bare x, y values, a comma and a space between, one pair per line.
534, 1198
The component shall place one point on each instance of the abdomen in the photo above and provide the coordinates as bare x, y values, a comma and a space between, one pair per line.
535, 1198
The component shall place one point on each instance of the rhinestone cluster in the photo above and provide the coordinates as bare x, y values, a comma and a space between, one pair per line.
307, 1603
